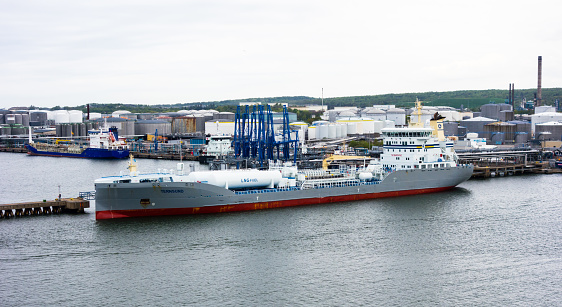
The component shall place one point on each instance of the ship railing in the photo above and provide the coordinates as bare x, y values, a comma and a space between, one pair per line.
330, 183
267, 190
90, 195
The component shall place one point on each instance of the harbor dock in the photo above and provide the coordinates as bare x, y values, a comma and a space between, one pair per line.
45, 207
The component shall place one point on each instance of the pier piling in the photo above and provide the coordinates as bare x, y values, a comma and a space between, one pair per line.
71, 205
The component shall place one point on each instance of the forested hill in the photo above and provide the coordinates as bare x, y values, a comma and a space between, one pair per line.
468, 99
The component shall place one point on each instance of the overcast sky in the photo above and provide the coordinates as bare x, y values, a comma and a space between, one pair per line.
70, 52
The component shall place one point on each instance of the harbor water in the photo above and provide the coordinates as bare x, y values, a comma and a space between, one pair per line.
491, 242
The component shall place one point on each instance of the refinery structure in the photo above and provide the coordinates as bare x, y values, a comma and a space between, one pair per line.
254, 131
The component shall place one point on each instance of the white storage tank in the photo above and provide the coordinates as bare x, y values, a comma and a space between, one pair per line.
62, 117
75, 116
219, 127
378, 125
351, 128
343, 129
312, 132
332, 131
388, 124
359, 127
338, 131
237, 179
398, 116
94, 116
323, 132
119, 113
368, 126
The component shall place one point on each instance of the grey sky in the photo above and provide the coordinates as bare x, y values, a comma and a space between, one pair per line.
75, 52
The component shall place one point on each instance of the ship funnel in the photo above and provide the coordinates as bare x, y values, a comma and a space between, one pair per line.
437, 124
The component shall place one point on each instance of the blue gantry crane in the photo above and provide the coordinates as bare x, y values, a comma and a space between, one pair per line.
254, 135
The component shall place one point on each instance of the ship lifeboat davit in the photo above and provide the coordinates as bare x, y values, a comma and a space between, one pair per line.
237, 179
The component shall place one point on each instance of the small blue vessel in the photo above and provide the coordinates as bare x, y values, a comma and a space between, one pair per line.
103, 144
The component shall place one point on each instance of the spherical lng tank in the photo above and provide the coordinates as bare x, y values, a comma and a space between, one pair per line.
237, 179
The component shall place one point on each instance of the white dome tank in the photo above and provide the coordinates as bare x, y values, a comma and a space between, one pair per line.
75, 116
62, 117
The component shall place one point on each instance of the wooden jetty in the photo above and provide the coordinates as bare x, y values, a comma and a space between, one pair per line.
45, 207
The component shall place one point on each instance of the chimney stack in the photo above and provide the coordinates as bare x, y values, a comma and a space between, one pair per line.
539, 89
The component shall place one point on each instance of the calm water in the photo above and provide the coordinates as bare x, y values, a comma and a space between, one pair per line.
495, 242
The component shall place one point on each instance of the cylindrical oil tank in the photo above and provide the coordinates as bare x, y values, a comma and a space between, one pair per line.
498, 138
152, 126
521, 137
312, 132
25, 120
75, 116
6, 130
62, 117
2, 119
359, 127
199, 123
10, 119
18, 119
237, 179
549, 131
502, 127
506, 115
184, 124
378, 125
323, 132
351, 128
368, 126
94, 116
119, 113
338, 131
343, 129
462, 132
451, 128
332, 131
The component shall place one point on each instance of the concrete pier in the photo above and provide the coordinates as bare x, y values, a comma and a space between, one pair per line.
71, 205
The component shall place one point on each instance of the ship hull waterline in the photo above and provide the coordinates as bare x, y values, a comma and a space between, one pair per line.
118, 200
89, 153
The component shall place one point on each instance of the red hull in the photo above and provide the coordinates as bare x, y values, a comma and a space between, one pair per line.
113, 214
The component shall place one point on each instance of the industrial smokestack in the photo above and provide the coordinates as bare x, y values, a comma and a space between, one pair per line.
509, 95
513, 96
88, 108
539, 89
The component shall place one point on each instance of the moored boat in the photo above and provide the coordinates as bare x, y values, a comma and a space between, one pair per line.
103, 144
415, 160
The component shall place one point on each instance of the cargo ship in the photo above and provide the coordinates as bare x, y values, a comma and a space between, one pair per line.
414, 160
104, 143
